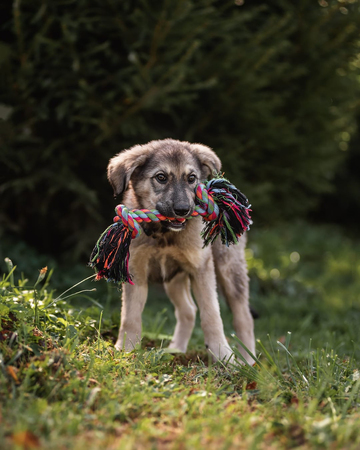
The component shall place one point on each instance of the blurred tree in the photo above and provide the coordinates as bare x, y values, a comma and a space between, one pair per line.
264, 83
342, 203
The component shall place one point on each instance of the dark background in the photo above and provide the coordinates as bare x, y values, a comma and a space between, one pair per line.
272, 87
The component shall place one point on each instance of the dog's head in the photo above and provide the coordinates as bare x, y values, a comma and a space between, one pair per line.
163, 175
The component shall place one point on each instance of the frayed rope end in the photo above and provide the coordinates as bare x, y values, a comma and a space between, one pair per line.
234, 213
110, 256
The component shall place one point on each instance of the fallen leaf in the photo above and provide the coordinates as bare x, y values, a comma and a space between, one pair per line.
251, 386
37, 333
26, 439
5, 334
11, 370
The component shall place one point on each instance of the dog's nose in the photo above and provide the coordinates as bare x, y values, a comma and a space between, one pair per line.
181, 209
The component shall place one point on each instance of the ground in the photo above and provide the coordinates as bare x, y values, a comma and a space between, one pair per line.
63, 385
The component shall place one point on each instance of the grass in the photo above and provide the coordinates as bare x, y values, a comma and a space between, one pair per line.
63, 385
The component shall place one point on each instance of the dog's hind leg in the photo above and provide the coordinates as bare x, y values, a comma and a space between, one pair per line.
178, 290
231, 271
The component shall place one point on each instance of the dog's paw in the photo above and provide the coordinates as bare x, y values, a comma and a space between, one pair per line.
176, 347
127, 344
221, 353
118, 346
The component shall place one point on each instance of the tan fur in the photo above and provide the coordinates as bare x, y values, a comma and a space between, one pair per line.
175, 256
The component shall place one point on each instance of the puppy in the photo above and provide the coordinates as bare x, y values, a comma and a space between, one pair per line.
162, 175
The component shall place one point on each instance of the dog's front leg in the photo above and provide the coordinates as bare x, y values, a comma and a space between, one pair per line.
204, 288
133, 302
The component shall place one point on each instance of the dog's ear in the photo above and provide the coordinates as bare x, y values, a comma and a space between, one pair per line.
209, 160
122, 166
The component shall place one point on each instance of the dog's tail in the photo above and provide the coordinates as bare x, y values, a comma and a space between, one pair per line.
254, 313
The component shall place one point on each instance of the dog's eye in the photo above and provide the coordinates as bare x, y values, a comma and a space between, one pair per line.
191, 179
161, 178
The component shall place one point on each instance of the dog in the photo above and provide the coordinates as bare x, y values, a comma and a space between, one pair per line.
162, 175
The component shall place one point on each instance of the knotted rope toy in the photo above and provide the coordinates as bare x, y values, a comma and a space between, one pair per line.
222, 206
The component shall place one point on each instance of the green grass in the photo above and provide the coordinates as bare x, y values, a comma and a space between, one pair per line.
62, 384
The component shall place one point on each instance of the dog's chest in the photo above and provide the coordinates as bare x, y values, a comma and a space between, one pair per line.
163, 268
161, 257
166, 262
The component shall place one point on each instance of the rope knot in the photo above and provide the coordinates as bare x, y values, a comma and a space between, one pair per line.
206, 206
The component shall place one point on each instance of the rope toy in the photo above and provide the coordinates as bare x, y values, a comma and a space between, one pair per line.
224, 209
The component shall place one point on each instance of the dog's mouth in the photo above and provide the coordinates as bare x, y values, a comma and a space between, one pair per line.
175, 225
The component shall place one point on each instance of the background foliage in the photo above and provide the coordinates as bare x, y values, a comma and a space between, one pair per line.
271, 86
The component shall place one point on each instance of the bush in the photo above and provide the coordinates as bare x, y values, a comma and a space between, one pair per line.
265, 84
